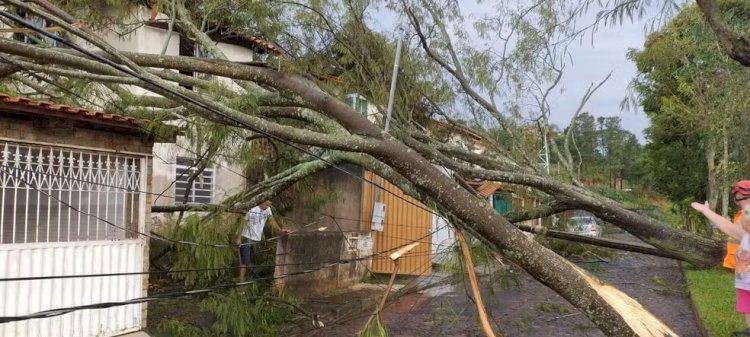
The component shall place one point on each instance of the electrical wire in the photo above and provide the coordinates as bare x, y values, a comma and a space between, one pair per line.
198, 103
176, 144
376, 255
6, 168
62, 311
104, 305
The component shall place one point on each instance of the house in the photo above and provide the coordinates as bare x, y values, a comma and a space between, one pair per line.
343, 204
73, 187
174, 162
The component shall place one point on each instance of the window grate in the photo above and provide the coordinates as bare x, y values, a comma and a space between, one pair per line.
36, 183
203, 186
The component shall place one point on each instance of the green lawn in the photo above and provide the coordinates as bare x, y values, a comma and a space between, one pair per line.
714, 297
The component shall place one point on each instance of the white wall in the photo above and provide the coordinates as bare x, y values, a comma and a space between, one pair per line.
443, 237
229, 178
235, 53
151, 40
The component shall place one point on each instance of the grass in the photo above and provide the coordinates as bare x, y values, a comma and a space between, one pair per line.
714, 297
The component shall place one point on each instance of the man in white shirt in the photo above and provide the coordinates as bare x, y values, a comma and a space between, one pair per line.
252, 233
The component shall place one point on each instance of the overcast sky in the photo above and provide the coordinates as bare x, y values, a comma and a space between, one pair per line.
591, 63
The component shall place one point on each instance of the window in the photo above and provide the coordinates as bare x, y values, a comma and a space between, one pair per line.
35, 38
188, 47
203, 185
55, 194
358, 103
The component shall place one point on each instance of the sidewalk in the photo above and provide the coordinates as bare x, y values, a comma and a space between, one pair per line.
135, 334
359, 302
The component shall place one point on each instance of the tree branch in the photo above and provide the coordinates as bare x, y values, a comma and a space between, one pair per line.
736, 46
560, 204
600, 242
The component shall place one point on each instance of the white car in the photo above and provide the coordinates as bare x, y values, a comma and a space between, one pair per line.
584, 225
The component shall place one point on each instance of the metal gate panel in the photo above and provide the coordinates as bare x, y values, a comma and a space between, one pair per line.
71, 258
405, 222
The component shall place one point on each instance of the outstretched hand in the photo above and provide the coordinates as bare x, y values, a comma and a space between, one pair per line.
700, 207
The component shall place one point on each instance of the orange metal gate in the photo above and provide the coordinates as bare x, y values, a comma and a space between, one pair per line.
404, 223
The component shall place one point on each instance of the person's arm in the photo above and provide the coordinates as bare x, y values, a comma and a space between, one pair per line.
734, 231
276, 226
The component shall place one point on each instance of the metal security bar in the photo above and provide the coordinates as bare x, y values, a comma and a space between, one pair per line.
202, 189
45, 191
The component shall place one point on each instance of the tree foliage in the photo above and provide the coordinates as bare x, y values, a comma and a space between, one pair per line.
293, 101
693, 95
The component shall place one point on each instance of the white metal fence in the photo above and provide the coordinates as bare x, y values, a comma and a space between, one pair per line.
55, 194
72, 258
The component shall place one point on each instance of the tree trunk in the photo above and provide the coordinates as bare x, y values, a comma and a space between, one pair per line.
712, 195
724, 190
734, 45
608, 308
600, 242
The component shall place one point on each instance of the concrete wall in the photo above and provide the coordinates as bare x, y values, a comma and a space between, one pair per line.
304, 250
344, 200
343, 195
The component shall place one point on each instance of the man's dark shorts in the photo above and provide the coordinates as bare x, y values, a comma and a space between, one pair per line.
247, 251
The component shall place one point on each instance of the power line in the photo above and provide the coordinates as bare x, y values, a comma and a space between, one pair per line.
62, 311
5, 168
176, 144
197, 103
375, 255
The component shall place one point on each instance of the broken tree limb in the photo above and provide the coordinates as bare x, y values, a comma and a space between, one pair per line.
700, 251
542, 211
194, 208
609, 243
559, 205
481, 310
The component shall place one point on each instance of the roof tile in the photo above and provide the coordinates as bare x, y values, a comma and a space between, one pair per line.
69, 110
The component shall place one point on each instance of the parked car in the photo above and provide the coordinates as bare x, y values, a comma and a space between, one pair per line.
583, 225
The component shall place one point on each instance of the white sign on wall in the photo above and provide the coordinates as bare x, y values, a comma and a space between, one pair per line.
365, 243
378, 217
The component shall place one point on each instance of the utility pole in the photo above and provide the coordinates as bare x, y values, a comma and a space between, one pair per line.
389, 113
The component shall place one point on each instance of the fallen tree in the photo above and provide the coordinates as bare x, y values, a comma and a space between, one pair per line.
323, 122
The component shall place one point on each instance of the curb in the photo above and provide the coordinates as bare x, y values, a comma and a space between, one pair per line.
704, 330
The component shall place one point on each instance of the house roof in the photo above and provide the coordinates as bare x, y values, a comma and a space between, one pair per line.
222, 34
25, 107
65, 110
465, 131
487, 188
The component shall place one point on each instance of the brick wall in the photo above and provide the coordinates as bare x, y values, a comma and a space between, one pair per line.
59, 131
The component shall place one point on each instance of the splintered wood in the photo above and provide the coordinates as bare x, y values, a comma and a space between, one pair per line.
643, 323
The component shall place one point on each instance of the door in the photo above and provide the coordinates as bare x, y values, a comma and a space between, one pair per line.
502, 202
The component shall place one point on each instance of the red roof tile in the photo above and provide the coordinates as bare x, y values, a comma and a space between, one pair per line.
64, 110
487, 188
